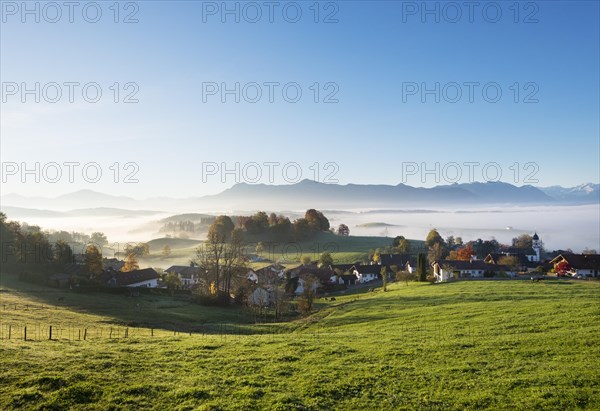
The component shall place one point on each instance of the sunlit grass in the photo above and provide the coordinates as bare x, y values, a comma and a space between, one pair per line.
468, 345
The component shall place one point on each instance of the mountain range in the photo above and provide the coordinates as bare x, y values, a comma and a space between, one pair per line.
311, 194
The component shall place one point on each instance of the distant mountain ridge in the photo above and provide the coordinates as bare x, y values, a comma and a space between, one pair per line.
311, 194
581, 192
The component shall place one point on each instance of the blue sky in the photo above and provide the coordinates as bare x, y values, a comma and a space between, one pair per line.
369, 54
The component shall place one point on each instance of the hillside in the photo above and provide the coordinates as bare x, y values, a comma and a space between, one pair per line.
157, 244
469, 345
343, 249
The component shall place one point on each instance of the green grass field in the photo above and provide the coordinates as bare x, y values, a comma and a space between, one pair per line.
469, 345
344, 250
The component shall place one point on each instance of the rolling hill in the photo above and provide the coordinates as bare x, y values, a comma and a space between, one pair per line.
471, 345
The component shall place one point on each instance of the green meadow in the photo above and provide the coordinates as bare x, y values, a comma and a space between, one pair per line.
501, 345
345, 250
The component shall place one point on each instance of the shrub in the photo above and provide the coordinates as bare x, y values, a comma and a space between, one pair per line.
305, 301
405, 276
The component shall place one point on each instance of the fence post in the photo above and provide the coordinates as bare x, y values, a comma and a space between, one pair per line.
84, 334
25, 333
50, 333
151, 332
79, 335
9, 331
110, 334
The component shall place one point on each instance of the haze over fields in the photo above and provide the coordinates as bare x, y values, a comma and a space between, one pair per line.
564, 217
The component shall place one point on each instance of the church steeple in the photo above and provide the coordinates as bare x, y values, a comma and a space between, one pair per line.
536, 244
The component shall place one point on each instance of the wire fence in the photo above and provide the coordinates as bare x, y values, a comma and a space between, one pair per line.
16, 329
223, 332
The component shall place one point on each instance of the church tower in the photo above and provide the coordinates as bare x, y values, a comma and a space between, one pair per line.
536, 244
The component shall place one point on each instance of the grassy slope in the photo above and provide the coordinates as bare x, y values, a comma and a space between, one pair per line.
157, 244
64, 309
343, 249
469, 345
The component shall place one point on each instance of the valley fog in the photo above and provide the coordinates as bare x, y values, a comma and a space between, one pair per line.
575, 227
560, 227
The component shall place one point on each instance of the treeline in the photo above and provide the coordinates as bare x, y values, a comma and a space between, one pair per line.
452, 248
37, 254
29, 250
261, 226
188, 225
280, 228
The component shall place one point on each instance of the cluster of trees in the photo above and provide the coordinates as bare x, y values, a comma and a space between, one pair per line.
36, 254
28, 249
133, 252
186, 223
401, 245
454, 249
73, 237
279, 228
187, 226
343, 230
273, 227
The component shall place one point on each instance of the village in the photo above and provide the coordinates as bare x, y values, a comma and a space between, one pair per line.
262, 282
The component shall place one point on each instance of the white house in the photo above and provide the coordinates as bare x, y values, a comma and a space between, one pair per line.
441, 274
189, 275
450, 269
366, 273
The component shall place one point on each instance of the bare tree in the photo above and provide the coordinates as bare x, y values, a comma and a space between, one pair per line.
307, 298
223, 258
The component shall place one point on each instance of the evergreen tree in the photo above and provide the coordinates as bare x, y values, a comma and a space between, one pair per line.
421, 267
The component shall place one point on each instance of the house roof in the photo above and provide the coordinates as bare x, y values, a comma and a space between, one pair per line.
495, 257
519, 251
290, 266
342, 267
136, 276
368, 269
466, 265
113, 263
271, 268
580, 261
185, 271
399, 260
481, 265
75, 270
323, 274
